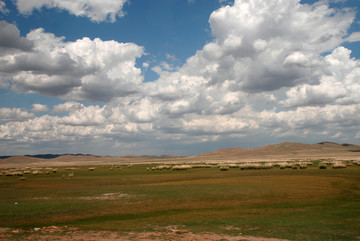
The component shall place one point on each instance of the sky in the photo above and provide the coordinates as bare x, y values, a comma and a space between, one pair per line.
179, 77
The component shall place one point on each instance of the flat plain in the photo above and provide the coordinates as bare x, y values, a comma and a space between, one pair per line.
290, 200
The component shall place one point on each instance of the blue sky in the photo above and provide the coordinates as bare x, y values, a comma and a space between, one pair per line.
176, 77
160, 34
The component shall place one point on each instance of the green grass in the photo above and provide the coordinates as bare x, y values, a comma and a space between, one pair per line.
310, 204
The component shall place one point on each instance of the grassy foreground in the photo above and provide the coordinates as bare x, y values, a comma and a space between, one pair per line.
309, 204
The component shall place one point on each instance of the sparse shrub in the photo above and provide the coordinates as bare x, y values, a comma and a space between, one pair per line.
267, 166
181, 167
161, 167
243, 166
289, 165
327, 163
338, 164
224, 168
356, 162
201, 166
233, 166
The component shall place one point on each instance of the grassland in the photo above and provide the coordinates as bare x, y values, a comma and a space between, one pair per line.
308, 204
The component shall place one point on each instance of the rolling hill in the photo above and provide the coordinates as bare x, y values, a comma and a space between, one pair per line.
282, 151
287, 150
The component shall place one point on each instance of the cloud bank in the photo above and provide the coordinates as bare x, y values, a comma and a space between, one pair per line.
86, 69
274, 69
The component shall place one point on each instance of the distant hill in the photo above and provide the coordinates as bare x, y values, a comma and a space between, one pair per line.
285, 150
53, 156
4, 157
282, 151
48, 156
42, 160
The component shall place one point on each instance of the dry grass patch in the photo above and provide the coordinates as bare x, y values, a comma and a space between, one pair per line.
288, 203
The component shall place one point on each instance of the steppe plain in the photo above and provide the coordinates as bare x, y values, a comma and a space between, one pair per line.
288, 191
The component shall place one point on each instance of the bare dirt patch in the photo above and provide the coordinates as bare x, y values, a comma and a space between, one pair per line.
70, 233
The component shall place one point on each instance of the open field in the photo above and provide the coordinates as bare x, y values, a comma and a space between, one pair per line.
288, 203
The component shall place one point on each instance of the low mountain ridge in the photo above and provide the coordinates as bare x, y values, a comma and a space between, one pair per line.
288, 149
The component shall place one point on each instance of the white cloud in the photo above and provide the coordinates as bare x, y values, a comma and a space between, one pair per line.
264, 46
266, 74
14, 114
246, 57
145, 65
354, 37
170, 57
39, 108
86, 116
96, 10
141, 111
340, 85
296, 58
82, 70
217, 124
313, 119
67, 107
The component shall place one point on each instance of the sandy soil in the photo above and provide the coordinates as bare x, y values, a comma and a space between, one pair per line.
74, 234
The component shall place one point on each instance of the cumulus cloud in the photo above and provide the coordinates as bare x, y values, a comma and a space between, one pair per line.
339, 86
87, 116
255, 52
217, 124
264, 46
145, 65
311, 119
96, 10
85, 69
67, 107
39, 108
14, 114
10, 39
273, 69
